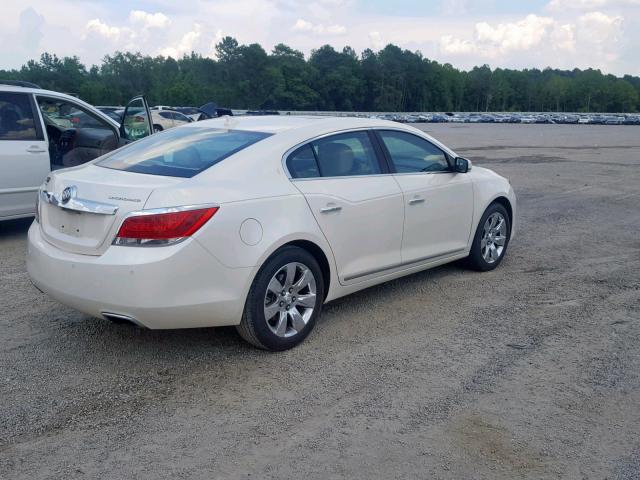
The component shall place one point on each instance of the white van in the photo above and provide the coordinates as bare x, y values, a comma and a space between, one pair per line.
41, 130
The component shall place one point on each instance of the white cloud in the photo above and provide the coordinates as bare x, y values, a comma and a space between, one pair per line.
521, 35
599, 27
302, 25
148, 20
456, 46
186, 45
101, 29
493, 41
591, 40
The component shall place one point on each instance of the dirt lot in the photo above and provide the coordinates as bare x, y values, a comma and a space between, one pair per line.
529, 371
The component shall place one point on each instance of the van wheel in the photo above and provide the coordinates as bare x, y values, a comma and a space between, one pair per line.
284, 301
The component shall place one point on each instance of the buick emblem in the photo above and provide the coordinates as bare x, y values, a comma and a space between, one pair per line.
67, 194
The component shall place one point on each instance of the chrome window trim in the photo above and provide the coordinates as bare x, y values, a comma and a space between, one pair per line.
286, 154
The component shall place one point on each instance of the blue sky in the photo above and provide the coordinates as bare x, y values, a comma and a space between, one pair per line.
516, 34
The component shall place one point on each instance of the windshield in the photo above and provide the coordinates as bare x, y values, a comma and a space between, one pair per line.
181, 152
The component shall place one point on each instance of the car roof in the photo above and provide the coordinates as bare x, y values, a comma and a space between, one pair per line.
283, 123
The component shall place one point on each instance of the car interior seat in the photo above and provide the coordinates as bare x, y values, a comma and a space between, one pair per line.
335, 159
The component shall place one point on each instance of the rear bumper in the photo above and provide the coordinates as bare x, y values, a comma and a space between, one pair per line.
179, 286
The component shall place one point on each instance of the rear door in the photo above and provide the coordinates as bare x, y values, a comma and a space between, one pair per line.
438, 202
24, 156
357, 204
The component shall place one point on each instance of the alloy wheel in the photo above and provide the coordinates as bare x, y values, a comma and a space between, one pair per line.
494, 237
290, 299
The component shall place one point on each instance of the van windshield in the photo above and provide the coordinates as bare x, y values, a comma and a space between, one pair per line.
180, 152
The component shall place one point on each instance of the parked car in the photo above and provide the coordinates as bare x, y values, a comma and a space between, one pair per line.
258, 221
41, 131
114, 112
164, 119
193, 113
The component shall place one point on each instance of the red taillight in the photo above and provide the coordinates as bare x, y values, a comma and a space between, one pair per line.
162, 228
138, 118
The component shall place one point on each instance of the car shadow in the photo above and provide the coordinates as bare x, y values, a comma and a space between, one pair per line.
224, 343
15, 228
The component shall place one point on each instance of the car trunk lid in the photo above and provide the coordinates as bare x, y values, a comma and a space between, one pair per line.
82, 208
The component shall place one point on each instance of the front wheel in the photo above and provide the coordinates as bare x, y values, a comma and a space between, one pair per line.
157, 128
284, 301
491, 239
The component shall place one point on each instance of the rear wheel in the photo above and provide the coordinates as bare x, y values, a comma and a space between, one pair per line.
157, 128
491, 239
284, 301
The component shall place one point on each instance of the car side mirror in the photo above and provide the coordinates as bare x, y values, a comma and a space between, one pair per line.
461, 165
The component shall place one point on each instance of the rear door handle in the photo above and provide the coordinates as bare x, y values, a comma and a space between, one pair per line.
329, 209
35, 149
416, 200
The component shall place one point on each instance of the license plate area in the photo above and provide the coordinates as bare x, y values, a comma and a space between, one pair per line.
80, 232
70, 223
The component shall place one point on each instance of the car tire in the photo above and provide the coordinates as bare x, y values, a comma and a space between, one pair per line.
157, 128
491, 239
284, 301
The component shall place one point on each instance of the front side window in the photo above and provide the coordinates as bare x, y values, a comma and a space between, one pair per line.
16, 118
412, 154
181, 152
64, 114
76, 135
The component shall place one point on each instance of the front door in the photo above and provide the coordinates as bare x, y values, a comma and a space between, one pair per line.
358, 206
438, 201
24, 155
136, 121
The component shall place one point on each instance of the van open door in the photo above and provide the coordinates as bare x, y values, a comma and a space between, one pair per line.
136, 121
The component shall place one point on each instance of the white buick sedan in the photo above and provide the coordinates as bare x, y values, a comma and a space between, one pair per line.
258, 221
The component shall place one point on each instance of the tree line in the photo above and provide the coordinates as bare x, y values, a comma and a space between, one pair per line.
392, 79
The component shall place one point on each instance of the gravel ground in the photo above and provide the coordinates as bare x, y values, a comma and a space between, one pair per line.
529, 371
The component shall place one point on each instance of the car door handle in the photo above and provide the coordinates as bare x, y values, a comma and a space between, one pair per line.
416, 200
329, 209
35, 149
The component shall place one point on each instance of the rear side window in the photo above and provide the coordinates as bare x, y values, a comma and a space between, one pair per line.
16, 118
346, 154
302, 163
341, 155
181, 152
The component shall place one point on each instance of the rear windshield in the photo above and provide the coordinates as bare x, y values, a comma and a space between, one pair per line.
181, 152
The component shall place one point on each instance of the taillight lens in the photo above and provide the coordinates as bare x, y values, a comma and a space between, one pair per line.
162, 228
